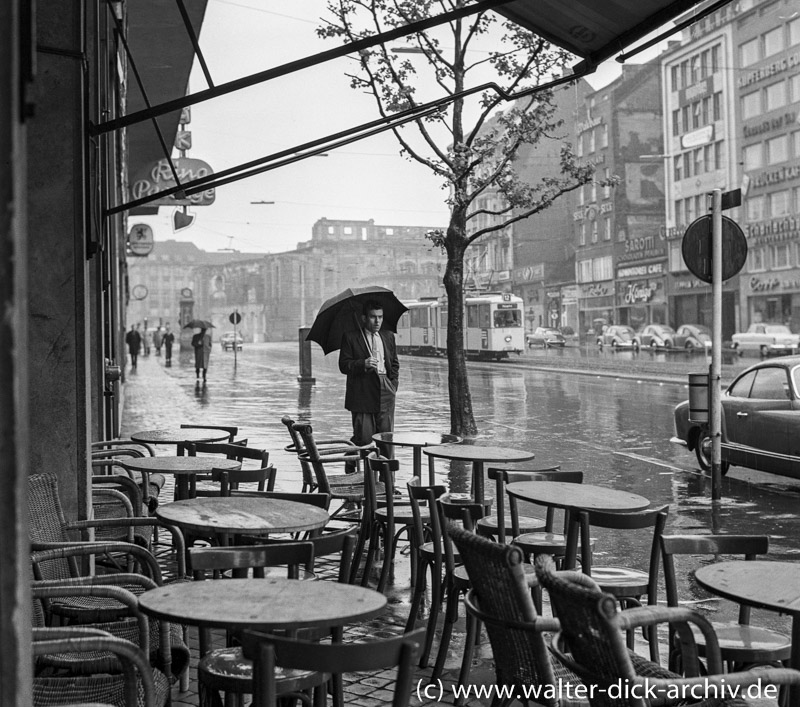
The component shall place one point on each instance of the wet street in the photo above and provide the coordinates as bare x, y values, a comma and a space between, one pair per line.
593, 418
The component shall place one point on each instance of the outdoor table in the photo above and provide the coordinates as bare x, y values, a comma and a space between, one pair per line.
762, 584
478, 455
179, 435
236, 515
184, 469
417, 440
576, 497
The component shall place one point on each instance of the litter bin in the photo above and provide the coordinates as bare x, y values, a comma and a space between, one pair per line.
698, 397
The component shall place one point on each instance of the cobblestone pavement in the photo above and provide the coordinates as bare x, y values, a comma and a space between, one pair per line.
155, 397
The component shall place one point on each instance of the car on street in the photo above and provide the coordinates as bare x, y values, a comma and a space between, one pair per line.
766, 339
760, 421
693, 337
655, 336
546, 336
229, 339
617, 336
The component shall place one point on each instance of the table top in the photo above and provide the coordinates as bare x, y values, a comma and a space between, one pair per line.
262, 603
560, 494
180, 465
478, 453
416, 439
243, 515
178, 435
759, 583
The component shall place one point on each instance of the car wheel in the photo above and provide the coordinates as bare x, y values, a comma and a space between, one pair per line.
763, 350
653, 344
702, 450
600, 344
667, 344
689, 346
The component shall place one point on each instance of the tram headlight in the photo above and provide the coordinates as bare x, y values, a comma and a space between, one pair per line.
508, 339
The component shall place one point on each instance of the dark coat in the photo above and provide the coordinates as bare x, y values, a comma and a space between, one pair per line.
134, 340
363, 392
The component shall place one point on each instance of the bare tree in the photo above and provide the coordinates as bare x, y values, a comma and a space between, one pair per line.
472, 160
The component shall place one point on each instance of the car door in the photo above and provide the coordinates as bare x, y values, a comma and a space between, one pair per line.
763, 422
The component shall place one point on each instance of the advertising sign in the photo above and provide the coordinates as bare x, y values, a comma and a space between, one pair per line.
158, 177
140, 239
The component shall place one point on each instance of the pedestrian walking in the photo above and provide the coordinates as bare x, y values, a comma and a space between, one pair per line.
368, 357
168, 340
134, 341
202, 352
158, 337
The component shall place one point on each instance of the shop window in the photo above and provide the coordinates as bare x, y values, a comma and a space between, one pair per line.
584, 271
751, 105
753, 156
773, 41
755, 208
775, 96
779, 203
777, 149
781, 255
748, 52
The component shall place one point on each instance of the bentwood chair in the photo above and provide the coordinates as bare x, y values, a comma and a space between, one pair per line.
273, 654
591, 643
741, 644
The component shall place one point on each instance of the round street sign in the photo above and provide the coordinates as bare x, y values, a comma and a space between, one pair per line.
235, 318
696, 248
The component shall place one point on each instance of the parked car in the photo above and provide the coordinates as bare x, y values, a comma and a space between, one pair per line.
617, 336
693, 337
760, 421
766, 339
228, 338
546, 336
655, 336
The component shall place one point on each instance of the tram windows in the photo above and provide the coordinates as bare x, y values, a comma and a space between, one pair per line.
507, 318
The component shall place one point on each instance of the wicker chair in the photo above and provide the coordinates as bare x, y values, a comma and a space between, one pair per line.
272, 654
500, 598
593, 628
135, 684
109, 450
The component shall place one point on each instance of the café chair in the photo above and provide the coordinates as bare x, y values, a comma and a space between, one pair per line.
102, 462
741, 644
627, 584
326, 445
263, 474
500, 599
118, 496
271, 655
495, 525
591, 643
133, 684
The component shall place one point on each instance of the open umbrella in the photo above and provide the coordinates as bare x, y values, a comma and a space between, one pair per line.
342, 313
199, 324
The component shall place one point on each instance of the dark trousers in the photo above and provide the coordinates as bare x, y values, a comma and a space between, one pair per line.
366, 424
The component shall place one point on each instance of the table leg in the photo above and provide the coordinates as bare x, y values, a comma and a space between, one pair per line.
417, 462
432, 471
181, 487
477, 481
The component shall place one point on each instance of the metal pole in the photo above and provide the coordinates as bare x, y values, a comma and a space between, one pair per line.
235, 321
716, 345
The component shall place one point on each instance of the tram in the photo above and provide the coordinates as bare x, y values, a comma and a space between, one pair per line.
493, 326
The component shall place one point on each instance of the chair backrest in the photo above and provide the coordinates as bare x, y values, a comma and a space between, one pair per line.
317, 460
420, 496
320, 500
47, 525
109, 444
456, 513
264, 475
654, 518
517, 475
297, 446
748, 546
268, 651
243, 559
339, 542
501, 598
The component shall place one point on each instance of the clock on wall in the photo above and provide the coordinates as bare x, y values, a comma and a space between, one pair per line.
139, 292
186, 292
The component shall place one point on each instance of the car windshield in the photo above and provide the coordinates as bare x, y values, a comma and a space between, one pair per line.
778, 329
625, 333
701, 330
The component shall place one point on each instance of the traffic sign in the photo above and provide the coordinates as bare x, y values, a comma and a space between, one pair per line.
696, 248
235, 318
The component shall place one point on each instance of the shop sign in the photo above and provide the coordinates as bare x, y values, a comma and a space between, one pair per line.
569, 294
529, 273
767, 126
644, 248
640, 270
768, 71
769, 283
689, 284
158, 177
140, 240
696, 138
503, 275
640, 292
692, 93
777, 176
596, 289
775, 229
589, 124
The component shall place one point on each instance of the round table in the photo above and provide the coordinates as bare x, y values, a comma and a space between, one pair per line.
183, 468
236, 515
572, 497
262, 603
417, 440
478, 455
179, 435
763, 585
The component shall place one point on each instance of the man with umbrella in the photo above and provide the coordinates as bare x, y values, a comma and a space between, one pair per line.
368, 357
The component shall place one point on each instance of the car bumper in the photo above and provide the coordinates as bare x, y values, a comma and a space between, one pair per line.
678, 440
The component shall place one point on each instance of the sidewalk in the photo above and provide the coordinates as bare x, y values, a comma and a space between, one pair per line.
158, 397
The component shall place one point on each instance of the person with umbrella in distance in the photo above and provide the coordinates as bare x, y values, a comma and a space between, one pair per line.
201, 342
368, 357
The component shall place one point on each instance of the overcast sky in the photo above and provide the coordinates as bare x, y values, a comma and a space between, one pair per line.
365, 180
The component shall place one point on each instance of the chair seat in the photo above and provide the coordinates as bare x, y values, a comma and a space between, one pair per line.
402, 515
527, 524
427, 551
227, 669
541, 543
354, 479
103, 689
621, 581
747, 644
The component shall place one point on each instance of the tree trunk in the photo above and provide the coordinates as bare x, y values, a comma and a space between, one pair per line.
462, 419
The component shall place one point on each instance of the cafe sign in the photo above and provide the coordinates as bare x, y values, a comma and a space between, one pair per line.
639, 292
158, 177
